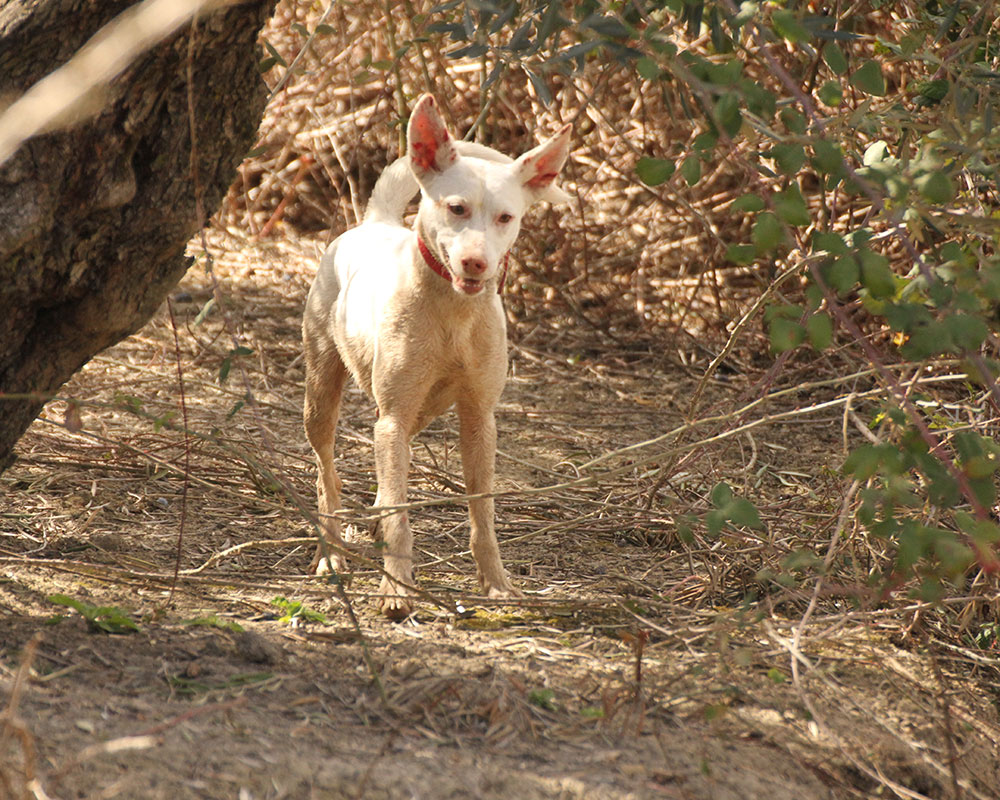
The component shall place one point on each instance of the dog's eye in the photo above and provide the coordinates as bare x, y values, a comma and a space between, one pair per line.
458, 209
504, 218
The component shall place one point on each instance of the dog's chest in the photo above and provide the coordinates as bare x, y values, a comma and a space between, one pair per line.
465, 355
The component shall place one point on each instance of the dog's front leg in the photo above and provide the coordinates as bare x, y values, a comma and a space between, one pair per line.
478, 434
392, 465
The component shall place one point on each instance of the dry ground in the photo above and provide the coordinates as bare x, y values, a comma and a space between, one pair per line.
638, 666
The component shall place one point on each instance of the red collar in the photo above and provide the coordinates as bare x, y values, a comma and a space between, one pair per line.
432, 261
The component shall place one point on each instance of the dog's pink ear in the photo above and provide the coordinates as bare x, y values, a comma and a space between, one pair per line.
540, 166
431, 148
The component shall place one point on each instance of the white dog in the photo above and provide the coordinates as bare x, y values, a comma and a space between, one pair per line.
416, 318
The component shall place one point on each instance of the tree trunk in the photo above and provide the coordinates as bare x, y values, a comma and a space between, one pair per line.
94, 219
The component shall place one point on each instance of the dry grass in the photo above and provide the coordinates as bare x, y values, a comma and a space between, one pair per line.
720, 665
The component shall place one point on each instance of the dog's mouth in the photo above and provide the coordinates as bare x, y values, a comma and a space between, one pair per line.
467, 285
461, 283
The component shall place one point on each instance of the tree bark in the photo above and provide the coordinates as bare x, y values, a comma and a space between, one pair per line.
94, 219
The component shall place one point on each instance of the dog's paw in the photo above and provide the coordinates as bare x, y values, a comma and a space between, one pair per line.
320, 566
352, 535
503, 590
395, 601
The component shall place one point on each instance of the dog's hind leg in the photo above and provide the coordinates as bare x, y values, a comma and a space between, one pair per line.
325, 378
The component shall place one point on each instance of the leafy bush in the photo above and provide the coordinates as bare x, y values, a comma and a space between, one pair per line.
867, 148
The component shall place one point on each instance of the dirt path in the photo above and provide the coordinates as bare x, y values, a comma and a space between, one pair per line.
631, 671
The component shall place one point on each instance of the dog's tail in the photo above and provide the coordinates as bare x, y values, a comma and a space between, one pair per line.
393, 191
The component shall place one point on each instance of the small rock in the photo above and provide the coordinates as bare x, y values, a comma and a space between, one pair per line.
255, 648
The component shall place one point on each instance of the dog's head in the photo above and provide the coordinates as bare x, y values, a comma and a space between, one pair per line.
474, 198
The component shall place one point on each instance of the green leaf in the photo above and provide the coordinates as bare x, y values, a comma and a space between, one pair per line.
542, 698
843, 273
930, 93
787, 25
705, 141
741, 253
985, 532
721, 495
942, 489
981, 466
775, 675
829, 158
863, 462
819, 328
205, 310
469, 51
654, 171
831, 93
936, 187
214, 621
794, 121
726, 73
715, 521
875, 153
834, 58
691, 170
785, 335
274, 54
742, 512
237, 407
832, 243
968, 332
788, 157
721, 42
868, 78
748, 9
758, 100
608, 26
790, 205
540, 86
648, 69
785, 310
748, 203
767, 232
927, 339
295, 609
108, 619
227, 362
814, 296
727, 113
876, 276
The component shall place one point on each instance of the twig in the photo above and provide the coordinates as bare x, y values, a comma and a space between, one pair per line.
11, 726
187, 453
748, 315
